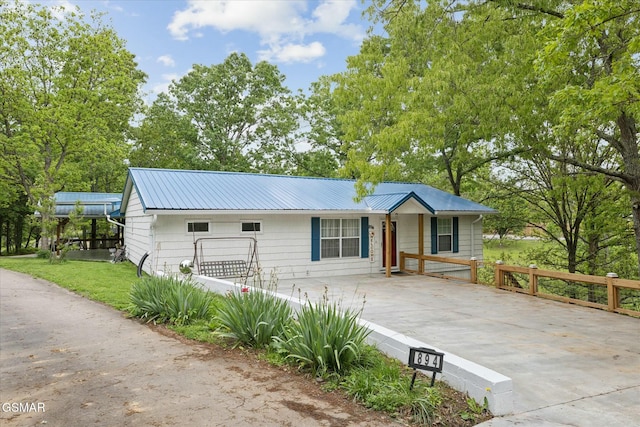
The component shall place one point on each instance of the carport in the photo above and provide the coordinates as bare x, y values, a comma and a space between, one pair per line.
96, 207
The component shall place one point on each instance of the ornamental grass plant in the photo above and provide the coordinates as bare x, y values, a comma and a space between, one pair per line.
323, 338
252, 318
169, 299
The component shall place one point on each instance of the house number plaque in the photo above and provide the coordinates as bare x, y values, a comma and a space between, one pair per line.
425, 359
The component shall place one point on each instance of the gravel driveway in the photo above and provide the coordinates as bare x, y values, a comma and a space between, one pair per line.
68, 361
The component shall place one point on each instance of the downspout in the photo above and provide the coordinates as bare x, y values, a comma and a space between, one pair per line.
111, 221
473, 234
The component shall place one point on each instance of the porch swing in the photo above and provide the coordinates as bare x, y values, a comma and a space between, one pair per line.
206, 248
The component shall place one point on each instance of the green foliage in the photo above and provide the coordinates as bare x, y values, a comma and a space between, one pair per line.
252, 318
168, 299
475, 409
233, 116
198, 330
69, 90
323, 338
383, 384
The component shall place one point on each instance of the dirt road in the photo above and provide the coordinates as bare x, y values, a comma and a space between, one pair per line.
68, 361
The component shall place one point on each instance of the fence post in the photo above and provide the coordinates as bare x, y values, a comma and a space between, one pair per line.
474, 269
533, 280
612, 292
498, 275
402, 261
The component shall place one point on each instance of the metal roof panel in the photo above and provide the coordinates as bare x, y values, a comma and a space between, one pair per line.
168, 189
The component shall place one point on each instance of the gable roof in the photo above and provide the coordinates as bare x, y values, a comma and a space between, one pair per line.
170, 190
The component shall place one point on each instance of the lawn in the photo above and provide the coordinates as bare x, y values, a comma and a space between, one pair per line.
512, 251
101, 281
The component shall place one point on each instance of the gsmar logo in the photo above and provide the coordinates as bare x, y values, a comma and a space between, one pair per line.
22, 407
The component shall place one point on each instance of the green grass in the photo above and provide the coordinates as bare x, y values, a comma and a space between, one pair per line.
514, 251
101, 281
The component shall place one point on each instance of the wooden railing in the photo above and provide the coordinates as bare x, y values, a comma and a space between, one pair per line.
608, 293
527, 280
472, 263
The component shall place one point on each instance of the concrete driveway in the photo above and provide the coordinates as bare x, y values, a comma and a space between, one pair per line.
68, 361
570, 365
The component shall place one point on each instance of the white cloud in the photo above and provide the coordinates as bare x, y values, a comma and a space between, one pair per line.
263, 17
283, 26
293, 53
59, 8
166, 60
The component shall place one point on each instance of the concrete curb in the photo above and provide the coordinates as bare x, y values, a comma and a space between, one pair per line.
461, 374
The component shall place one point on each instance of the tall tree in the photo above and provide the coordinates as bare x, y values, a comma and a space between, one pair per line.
570, 71
68, 89
234, 116
422, 101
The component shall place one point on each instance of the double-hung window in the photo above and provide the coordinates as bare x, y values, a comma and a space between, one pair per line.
445, 235
339, 238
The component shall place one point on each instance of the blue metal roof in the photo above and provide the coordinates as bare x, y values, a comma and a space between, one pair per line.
167, 189
94, 205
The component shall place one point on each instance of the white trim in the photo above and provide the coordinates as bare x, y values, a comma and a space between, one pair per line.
210, 212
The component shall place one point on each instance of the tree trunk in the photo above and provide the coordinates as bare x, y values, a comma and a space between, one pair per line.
628, 148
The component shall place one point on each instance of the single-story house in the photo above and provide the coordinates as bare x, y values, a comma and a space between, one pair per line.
295, 226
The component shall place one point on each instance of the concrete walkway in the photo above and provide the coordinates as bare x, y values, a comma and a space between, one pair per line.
570, 365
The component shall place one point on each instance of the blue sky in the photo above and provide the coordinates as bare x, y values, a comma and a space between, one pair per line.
305, 39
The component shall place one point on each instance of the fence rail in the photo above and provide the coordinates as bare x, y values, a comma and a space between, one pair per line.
581, 289
472, 263
608, 293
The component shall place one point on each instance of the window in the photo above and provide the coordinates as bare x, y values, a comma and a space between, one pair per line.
251, 227
339, 238
445, 235
197, 227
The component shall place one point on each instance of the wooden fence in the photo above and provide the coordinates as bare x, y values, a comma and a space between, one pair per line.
472, 263
608, 293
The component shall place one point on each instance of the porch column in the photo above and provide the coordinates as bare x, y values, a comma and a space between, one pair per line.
387, 239
420, 242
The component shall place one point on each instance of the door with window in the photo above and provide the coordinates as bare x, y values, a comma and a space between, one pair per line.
394, 255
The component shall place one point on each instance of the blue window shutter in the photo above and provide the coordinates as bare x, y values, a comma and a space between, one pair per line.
364, 237
456, 247
315, 238
434, 235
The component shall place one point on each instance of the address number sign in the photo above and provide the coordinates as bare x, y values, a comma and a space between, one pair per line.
425, 359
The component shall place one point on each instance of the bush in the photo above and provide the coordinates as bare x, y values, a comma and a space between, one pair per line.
169, 299
253, 318
323, 338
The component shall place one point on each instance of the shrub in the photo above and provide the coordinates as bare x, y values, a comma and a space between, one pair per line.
253, 318
323, 338
169, 299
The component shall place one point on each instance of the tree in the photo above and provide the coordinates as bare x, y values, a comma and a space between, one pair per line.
594, 46
580, 56
165, 139
423, 101
68, 90
232, 116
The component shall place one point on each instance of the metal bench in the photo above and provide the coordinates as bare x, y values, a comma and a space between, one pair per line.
224, 269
